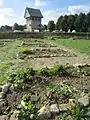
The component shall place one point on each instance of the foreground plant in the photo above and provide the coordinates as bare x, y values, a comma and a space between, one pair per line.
58, 90
21, 77
79, 113
26, 110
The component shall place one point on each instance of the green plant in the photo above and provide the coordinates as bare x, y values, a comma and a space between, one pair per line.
60, 89
26, 109
61, 117
78, 113
18, 84
58, 70
26, 51
21, 77
43, 72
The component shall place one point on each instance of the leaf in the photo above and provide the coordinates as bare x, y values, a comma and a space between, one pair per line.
30, 105
23, 104
17, 112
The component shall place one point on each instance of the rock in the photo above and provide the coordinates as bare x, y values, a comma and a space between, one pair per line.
1, 100
2, 95
88, 112
13, 117
2, 104
5, 87
44, 114
22, 57
64, 107
34, 98
31, 116
54, 109
22, 43
69, 117
52, 38
3, 117
72, 103
85, 100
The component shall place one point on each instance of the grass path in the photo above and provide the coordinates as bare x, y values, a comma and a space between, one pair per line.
81, 45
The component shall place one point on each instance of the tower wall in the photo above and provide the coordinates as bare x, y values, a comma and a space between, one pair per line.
33, 23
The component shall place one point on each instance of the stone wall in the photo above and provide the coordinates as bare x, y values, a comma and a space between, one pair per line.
32, 24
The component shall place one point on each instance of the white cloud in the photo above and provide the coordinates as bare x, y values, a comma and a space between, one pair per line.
50, 15
78, 9
55, 14
6, 15
40, 3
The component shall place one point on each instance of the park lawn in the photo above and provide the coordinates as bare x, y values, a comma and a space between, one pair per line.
81, 45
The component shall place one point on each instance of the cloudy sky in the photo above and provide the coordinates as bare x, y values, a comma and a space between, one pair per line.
12, 11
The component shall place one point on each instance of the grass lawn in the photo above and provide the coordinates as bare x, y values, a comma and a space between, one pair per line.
81, 45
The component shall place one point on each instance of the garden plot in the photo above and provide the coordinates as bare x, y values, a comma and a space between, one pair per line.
40, 49
45, 52
50, 91
20, 53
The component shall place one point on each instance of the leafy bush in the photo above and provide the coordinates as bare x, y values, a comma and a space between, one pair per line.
43, 72
26, 110
61, 89
26, 51
56, 70
21, 77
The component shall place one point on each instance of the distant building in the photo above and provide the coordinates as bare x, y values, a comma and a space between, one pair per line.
33, 19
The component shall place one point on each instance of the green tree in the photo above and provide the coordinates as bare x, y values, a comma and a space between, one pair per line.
88, 21
58, 23
81, 23
19, 27
51, 26
64, 24
45, 27
15, 26
70, 22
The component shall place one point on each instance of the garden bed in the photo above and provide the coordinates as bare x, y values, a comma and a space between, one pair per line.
46, 87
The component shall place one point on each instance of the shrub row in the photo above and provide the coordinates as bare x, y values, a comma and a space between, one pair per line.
79, 35
12, 35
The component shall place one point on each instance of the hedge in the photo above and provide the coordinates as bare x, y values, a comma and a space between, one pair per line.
80, 35
11, 35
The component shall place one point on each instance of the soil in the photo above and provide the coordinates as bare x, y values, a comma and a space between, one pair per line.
38, 87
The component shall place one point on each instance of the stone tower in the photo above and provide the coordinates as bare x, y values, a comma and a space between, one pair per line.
33, 19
